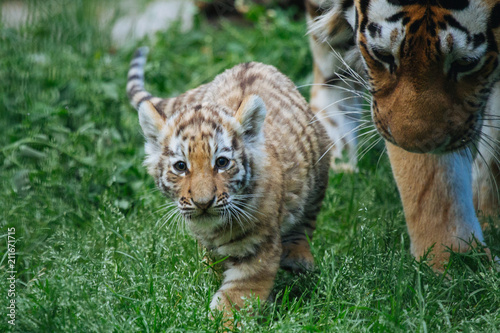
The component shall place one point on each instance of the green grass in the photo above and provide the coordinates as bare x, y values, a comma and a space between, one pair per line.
91, 253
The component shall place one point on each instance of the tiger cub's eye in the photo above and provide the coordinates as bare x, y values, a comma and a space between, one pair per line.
180, 166
222, 162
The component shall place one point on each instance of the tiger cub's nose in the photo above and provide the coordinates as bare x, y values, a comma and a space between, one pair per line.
203, 203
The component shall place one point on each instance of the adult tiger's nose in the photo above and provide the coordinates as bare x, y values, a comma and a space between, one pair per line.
203, 203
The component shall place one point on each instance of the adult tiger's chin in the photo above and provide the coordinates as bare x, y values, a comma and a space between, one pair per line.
418, 136
425, 121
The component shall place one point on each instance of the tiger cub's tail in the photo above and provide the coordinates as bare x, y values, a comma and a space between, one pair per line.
135, 79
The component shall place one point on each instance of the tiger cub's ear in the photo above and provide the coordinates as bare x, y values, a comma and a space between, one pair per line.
251, 115
151, 121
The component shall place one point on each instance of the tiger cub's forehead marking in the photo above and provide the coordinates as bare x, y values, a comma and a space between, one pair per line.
197, 133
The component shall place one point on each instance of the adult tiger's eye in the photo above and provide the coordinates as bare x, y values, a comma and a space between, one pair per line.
464, 65
222, 162
180, 166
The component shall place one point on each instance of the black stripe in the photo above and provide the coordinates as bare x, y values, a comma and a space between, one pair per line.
135, 64
161, 105
145, 98
455, 24
134, 90
431, 27
257, 248
364, 46
494, 21
447, 4
437, 46
478, 40
363, 7
451, 4
492, 43
473, 104
294, 235
396, 17
347, 4
374, 29
415, 25
135, 77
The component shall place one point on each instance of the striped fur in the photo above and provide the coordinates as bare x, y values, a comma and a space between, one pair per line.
240, 157
432, 67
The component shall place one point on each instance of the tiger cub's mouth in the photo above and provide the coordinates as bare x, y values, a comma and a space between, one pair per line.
213, 215
196, 215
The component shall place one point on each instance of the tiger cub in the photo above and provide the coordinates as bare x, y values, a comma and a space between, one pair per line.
244, 162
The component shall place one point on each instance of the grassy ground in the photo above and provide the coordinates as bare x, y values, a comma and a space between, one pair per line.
91, 253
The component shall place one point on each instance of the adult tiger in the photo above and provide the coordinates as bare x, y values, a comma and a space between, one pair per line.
432, 67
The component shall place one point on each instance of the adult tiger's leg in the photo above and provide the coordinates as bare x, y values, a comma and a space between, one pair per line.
487, 165
333, 98
436, 191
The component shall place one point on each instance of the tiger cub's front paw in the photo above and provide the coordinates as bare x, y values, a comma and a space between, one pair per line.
297, 257
221, 302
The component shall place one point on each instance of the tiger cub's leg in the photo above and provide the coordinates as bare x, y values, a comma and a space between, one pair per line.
436, 191
296, 255
487, 164
249, 276
332, 99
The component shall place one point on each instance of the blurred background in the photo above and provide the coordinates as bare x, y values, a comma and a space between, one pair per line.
132, 20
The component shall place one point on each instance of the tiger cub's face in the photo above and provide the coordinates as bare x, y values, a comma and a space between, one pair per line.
431, 65
203, 158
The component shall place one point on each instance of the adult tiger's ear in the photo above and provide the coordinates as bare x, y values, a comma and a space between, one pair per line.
251, 116
151, 121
